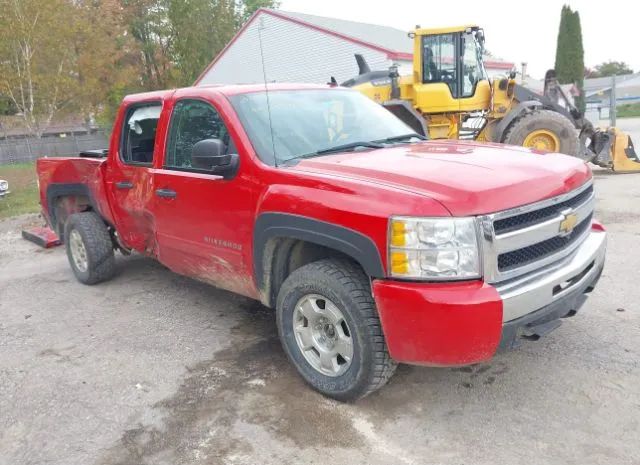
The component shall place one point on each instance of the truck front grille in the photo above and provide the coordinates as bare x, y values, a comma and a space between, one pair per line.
527, 255
537, 216
529, 238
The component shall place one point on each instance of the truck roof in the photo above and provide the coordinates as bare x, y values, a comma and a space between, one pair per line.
228, 90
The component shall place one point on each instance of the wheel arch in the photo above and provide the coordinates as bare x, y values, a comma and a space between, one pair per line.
504, 124
64, 199
282, 242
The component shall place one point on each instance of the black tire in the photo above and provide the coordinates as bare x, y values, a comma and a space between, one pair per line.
544, 119
95, 237
347, 286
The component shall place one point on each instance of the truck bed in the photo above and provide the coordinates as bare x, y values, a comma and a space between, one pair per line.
72, 175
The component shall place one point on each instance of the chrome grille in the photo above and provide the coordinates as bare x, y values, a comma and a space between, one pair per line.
526, 255
528, 238
536, 216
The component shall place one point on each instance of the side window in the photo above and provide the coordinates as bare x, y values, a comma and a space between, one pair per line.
473, 71
191, 122
139, 134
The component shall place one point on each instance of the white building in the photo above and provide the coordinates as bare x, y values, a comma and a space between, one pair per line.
297, 47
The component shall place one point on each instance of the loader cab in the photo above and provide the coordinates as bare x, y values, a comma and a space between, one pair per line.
448, 70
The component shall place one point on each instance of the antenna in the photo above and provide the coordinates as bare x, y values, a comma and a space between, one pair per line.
266, 90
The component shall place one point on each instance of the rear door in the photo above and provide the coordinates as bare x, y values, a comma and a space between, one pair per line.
129, 178
203, 221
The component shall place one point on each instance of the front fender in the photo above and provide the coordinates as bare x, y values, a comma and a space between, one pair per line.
285, 225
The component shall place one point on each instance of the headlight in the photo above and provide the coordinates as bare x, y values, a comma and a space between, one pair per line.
433, 248
4, 185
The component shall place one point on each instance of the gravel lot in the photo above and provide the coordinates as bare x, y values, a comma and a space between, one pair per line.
153, 368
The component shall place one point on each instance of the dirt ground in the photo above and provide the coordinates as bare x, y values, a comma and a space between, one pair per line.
153, 368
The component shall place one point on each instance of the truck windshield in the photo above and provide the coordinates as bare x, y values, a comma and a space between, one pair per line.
287, 125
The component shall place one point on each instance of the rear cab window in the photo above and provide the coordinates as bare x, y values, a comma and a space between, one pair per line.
139, 133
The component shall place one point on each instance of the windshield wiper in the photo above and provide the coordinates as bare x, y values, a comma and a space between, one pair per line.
401, 138
350, 146
339, 148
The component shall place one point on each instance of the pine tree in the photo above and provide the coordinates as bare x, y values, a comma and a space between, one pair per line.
570, 52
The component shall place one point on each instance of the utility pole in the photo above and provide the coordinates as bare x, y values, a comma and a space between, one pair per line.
612, 102
523, 76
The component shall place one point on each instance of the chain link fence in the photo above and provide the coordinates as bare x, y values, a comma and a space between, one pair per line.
27, 150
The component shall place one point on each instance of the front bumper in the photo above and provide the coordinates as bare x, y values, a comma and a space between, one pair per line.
448, 324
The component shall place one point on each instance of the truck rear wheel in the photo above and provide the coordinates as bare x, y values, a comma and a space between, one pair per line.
544, 130
330, 330
89, 248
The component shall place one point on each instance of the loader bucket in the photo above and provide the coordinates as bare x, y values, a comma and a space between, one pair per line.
625, 158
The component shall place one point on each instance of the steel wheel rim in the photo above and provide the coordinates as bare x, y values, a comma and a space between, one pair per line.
542, 139
78, 251
323, 335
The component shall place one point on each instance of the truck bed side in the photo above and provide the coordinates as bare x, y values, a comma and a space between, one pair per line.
69, 185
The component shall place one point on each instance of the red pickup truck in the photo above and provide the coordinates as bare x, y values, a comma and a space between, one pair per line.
374, 246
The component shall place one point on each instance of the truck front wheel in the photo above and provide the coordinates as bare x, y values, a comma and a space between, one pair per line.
89, 248
330, 330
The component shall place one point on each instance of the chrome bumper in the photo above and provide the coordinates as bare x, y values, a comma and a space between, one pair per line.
531, 292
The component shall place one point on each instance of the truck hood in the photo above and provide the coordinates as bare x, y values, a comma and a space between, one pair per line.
466, 177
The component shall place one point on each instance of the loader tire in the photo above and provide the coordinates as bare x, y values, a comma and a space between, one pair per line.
89, 248
330, 330
545, 130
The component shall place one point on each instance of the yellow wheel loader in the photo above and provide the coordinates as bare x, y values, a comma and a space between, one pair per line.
449, 96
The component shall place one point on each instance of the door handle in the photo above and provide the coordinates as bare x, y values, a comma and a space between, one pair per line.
124, 184
166, 193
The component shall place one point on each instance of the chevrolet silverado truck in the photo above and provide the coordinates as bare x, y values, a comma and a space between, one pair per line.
374, 246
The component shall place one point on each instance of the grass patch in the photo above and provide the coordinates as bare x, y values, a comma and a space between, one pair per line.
631, 110
24, 196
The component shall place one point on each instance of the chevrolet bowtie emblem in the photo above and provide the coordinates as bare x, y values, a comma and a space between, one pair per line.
568, 223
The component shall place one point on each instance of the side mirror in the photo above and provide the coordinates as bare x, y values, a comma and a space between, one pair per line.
209, 155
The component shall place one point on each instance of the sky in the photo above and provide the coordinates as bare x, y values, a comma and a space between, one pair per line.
515, 31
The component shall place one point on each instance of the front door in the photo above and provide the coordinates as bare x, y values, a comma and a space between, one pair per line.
202, 220
129, 178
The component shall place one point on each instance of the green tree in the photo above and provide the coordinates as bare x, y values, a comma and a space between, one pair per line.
248, 7
83, 56
56, 59
6, 106
146, 21
176, 39
610, 68
200, 29
569, 64
36, 59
